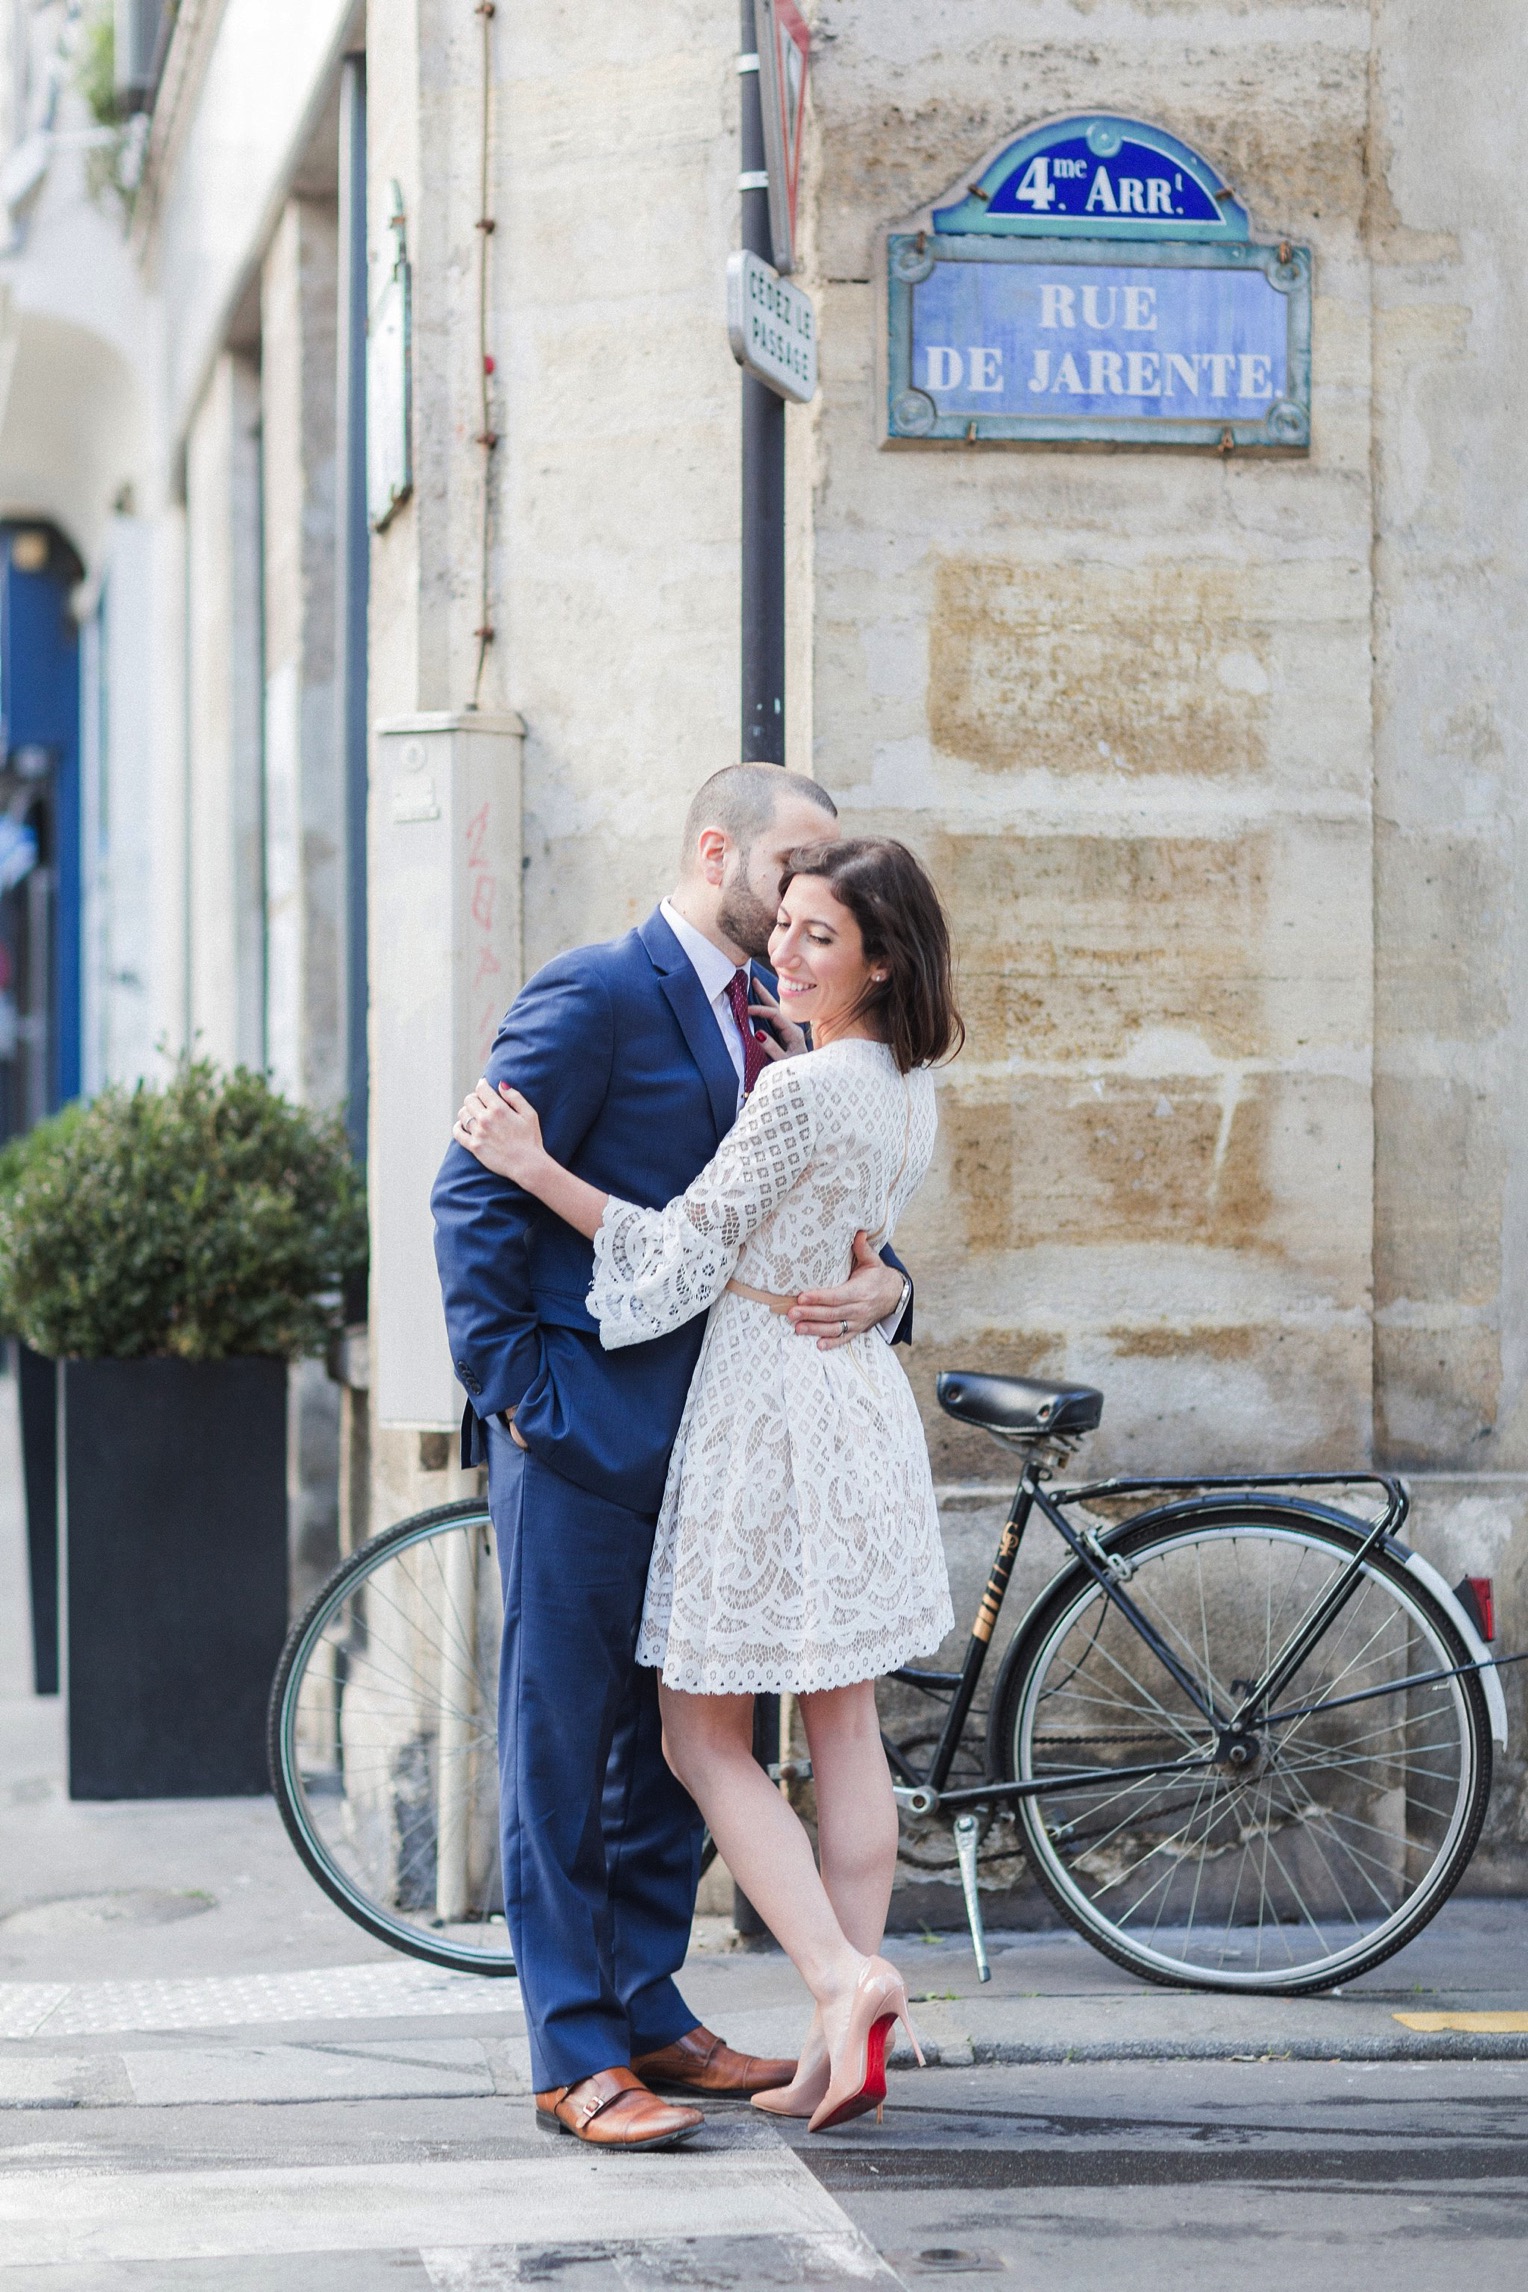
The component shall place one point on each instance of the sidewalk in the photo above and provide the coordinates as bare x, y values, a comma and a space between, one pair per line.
197, 1915
210, 2081
1054, 1999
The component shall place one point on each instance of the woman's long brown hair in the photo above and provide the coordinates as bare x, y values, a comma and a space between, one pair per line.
891, 896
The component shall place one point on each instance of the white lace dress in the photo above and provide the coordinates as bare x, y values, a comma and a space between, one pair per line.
798, 1545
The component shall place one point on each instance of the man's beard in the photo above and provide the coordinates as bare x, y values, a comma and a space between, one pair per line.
747, 919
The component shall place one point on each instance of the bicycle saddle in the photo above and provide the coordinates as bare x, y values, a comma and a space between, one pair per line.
1018, 1405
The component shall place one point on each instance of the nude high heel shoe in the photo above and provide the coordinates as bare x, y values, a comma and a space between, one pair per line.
858, 2081
804, 2092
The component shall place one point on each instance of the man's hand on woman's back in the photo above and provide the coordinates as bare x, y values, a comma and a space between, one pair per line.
864, 1301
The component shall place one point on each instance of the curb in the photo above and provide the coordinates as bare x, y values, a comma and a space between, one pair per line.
1444, 2045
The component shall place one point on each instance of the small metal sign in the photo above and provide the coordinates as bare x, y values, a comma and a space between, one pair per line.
389, 455
772, 327
1014, 313
785, 49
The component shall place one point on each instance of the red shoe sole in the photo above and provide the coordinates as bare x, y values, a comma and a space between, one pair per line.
873, 2092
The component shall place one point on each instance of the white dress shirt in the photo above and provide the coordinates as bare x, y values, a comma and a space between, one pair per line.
715, 972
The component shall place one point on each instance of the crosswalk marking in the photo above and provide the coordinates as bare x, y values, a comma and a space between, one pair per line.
54, 2218
658, 2263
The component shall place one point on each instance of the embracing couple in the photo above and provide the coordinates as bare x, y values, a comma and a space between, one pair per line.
663, 1235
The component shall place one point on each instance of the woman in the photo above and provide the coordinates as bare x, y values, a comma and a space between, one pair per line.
798, 1546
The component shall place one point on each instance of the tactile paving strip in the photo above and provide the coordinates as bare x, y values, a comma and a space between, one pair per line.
328, 1993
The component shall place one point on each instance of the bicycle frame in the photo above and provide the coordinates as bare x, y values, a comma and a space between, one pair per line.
926, 1794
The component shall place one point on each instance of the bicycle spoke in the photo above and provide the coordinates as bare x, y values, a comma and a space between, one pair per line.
1181, 1728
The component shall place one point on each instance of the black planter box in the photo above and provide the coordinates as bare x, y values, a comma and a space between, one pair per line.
37, 1392
174, 1539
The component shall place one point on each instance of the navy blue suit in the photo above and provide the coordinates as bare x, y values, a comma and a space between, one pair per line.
619, 1051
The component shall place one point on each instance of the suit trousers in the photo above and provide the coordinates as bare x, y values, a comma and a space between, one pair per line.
601, 1844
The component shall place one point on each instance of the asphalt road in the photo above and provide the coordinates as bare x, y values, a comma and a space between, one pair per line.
1379, 2178
1187, 2176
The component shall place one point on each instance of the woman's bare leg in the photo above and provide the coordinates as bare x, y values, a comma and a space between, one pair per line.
856, 1820
828, 1922
856, 1813
708, 1741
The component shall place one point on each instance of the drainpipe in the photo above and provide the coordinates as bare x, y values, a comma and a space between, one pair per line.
353, 552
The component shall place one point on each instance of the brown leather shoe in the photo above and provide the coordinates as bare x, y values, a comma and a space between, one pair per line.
614, 2110
701, 2063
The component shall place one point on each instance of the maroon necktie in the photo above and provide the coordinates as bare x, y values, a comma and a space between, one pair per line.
753, 1056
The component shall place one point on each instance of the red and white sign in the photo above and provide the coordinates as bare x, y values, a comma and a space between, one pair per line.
785, 46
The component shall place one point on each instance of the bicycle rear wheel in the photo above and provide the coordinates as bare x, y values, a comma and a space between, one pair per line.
383, 1739
1347, 1828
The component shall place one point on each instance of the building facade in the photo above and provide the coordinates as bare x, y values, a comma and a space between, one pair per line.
1219, 757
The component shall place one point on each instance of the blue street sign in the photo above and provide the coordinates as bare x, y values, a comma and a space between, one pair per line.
1098, 177
1016, 315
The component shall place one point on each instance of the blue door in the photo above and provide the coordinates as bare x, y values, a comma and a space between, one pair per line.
39, 826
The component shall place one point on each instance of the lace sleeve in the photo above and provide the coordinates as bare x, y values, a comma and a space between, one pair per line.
656, 1269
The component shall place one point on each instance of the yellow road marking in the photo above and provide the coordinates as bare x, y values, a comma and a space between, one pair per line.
1476, 2021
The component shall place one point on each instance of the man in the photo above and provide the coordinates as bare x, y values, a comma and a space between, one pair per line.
637, 1056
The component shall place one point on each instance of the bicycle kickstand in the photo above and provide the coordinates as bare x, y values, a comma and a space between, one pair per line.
966, 1832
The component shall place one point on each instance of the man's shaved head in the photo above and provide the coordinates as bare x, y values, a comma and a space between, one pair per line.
742, 827
741, 800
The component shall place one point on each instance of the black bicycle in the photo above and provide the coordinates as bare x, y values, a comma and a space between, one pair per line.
1244, 1736
1242, 1739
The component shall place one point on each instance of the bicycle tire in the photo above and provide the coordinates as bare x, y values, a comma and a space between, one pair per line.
285, 1712
1049, 1841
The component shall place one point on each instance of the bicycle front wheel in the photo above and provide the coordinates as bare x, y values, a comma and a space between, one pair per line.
1344, 1829
383, 1739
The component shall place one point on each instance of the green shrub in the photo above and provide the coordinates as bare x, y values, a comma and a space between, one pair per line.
17, 1156
207, 1219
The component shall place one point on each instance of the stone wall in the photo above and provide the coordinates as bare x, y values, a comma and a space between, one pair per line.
1216, 758
1219, 760
1121, 700
1450, 302
1149, 714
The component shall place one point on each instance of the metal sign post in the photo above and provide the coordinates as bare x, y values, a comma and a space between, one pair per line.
763, 566
774, 333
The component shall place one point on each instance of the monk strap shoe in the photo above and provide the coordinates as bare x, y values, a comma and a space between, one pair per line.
613, 2109
702, 2063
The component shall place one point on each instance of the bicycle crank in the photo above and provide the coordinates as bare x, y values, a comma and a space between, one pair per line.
921, 1800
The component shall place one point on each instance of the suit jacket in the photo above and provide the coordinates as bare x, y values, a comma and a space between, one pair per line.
619, 1052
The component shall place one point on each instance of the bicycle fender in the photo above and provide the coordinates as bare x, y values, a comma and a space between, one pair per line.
1488, 1675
